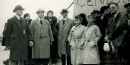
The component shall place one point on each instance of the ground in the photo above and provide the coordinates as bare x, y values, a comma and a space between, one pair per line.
4, 54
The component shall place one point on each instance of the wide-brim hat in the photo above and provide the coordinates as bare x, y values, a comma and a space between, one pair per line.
127, 5
64, 11
40, 11
18, 7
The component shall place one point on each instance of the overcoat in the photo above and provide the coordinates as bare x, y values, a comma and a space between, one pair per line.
16, 38
42, 36
122, 36
76, 39
64, 29
90, 53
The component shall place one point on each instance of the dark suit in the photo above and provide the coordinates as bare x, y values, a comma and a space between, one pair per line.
117, 30
111, 23
16, 38
54, 47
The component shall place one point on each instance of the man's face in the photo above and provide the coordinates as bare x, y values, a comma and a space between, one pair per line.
19, 12
113, 8
64, 14
40, 14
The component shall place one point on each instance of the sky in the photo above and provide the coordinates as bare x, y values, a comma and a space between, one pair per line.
31, 6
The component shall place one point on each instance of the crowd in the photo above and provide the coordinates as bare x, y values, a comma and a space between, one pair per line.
101, 38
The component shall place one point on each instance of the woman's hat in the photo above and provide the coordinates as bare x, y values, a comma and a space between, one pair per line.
18, 7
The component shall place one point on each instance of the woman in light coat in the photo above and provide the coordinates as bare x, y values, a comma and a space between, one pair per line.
76, 38
89, 52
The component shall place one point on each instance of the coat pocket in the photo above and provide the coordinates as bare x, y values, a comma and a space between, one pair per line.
92, 44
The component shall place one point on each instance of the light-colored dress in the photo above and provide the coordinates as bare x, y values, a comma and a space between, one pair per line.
90, 53
76, 39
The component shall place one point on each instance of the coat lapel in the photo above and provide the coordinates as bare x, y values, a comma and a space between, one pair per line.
17, 22
64, 25
20, 25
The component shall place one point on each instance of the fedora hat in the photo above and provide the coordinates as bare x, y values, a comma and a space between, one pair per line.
18, 7
40, 11
64, 11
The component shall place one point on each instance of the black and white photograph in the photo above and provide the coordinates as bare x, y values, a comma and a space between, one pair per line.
64, 32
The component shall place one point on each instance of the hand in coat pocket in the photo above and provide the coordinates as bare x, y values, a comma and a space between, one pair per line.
31, 43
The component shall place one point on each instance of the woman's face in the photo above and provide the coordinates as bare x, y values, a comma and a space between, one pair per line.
50, 14
90, 19
77, 21
28, 17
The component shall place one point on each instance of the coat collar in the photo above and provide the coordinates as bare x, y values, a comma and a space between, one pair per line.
40, 18
18, 17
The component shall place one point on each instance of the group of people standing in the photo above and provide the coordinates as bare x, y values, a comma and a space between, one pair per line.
99, 38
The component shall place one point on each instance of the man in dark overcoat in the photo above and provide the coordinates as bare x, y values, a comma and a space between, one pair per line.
116, 31
113, 23
124, 31
16, 37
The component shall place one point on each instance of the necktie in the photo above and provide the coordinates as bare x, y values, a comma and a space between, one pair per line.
41, 22
63, 22
41, 30
20, 19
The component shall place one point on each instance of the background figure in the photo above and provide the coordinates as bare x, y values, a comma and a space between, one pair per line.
64, 26
76, 38
54, 47
41, 40
16, 37
89, 52
28, 21
126, 42
99, 22
27, 18
104, 56
97, 17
